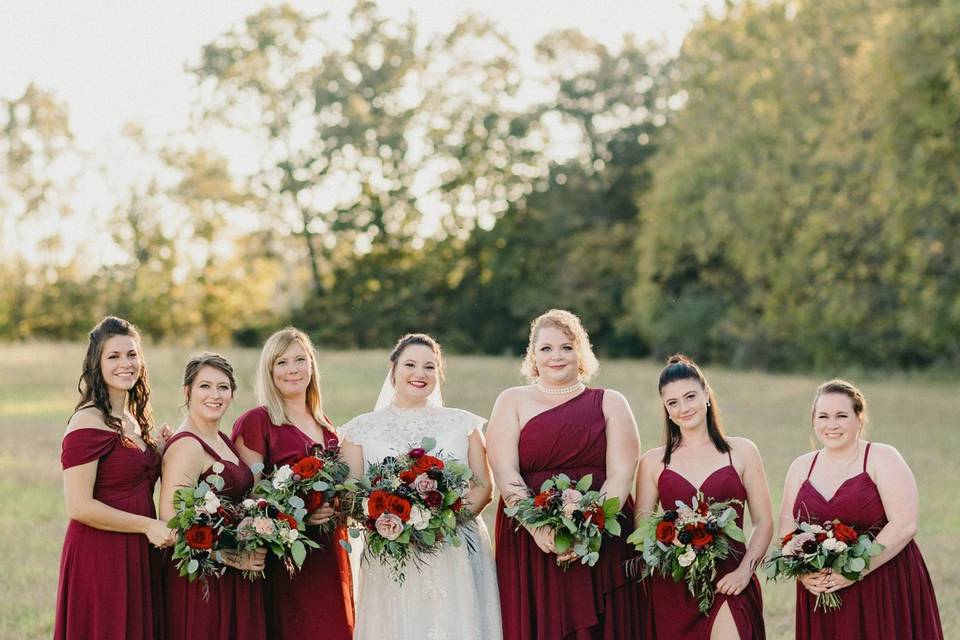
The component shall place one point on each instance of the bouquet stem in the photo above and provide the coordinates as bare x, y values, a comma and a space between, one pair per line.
827, 602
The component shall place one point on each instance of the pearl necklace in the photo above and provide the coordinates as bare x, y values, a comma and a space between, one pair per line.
561, 391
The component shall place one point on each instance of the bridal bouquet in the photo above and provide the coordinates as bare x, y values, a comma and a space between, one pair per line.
687, 542
408, 505
303, 487
814, 547
200, 521
578, 515
264, 523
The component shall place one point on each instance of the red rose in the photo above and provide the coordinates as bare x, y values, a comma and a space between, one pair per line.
820, 537
307, 467
417, 452
314, 501
200, 536
425, 463
377, 503
701, 537
541, 499
407, 477
785, 539
599, 518
290, 520
843, 533
666, 532
457, 505
434, 499
400, 507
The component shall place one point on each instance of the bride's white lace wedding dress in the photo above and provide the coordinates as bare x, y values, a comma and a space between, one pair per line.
452, 595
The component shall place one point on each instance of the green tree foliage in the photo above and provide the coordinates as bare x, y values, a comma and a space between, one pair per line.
800, 215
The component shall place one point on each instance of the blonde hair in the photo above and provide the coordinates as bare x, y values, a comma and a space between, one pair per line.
572, 328
267, 393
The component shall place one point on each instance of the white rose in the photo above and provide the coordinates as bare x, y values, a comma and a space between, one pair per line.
830, 544
211, 502
282, 477
841, 546
686, 559
249, 503
419, 517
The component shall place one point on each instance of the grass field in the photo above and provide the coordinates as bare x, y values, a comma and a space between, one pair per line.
38, 390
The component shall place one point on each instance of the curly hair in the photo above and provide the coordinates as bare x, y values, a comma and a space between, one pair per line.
571, 327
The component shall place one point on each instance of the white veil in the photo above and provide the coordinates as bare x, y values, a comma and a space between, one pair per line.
387, 393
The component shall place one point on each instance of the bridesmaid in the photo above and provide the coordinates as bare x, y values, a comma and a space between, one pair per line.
558, 425
317, 600
871, 488
109, 575
697, 456
233, 606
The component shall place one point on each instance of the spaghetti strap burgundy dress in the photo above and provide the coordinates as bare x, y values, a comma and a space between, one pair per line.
675, 612
110, 581
893, 602
233, 609
317, 602
540, 600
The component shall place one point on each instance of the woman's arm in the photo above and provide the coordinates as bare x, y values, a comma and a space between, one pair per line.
623, 446
761, 517
249, 457
503, 439
646, 486
183, 464
481, 489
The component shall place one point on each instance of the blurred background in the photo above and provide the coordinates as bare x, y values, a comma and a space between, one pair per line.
764, 184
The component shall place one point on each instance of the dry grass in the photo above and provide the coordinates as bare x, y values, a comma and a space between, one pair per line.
37, 391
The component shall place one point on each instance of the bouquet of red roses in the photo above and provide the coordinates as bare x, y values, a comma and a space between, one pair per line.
303, 487
407, 506
263, 523
687, 542
813, 547
200, 521
578, 515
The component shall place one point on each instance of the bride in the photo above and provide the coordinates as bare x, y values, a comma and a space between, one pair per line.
453, 593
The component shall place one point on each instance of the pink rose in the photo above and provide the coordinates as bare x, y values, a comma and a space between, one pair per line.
264, 526
389, 526
245, 529
424, 485
571, 501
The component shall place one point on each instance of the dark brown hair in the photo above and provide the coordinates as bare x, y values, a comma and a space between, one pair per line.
680, 367
412, 339
207, 359
848, 389
93, 388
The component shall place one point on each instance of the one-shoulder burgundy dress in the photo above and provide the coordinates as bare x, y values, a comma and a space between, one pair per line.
234, 608
675, 612
109, 581
538, 599
893, 602
317, 602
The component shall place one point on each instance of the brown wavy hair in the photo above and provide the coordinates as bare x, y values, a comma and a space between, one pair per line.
93, 388
207, 359
680, 367
421, 339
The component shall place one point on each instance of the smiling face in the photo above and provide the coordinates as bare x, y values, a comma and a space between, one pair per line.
210, 395
556, 357
120, 362
415, 374
292, 371
835, 421
686, 403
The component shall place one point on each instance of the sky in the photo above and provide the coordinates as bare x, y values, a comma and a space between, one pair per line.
116, 61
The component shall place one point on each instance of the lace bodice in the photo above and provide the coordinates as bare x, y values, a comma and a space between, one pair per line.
390, 431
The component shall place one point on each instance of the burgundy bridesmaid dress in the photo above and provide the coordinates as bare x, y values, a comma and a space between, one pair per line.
317, 602
894, 602
675, 611
109, 581
234, 608
538, 599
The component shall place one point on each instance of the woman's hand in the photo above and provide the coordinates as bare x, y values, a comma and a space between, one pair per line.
814, 582
734, 582
543, 536
160, 535
323, 514
245, 560
835, 581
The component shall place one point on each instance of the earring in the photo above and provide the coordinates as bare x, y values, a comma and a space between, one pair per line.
708, 403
